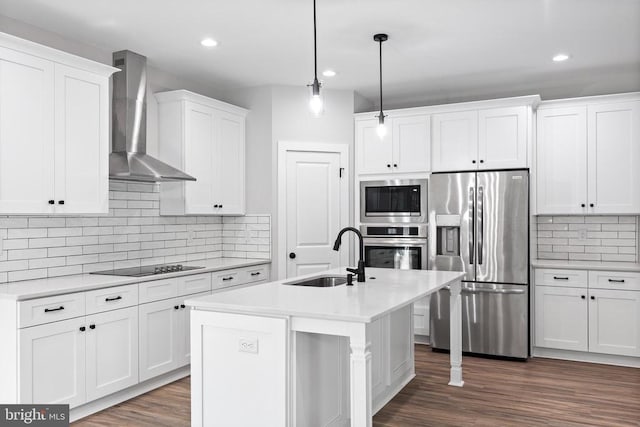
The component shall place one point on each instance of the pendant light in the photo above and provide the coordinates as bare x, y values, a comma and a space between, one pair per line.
382, 129
315, 103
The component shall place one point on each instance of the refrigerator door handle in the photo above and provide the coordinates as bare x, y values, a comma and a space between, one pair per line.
480, 224
472, 233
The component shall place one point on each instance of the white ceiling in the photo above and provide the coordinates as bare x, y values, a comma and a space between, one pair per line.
438, 50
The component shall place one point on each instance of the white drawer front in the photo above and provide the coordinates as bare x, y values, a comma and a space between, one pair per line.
194, 284
564, 278
158, 290
224, 279
614, 280
257, 274
50, 309
111, 298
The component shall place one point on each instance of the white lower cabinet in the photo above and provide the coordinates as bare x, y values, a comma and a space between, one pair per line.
601, 314
81, 359
421, 317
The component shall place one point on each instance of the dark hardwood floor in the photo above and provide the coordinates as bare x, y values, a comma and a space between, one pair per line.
540, 392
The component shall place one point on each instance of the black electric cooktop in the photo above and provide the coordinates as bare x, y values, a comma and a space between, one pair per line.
147, 270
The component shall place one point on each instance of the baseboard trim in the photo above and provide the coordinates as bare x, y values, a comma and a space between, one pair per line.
422, 339
388, 396
128, 393
580, 356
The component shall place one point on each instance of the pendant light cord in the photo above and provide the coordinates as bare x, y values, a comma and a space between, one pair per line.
315, 48
381, 113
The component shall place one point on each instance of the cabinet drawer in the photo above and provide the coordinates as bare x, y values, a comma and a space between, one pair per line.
51, 309
158, 290
111, 298
257, 274
565, 278
224, 279
614, 280
194, 284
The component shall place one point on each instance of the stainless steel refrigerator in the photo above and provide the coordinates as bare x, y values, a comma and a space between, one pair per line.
479, 224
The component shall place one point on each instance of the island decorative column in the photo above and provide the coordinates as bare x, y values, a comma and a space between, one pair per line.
360, 373
455, 307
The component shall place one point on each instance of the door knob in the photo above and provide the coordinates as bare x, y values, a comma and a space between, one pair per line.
292, 255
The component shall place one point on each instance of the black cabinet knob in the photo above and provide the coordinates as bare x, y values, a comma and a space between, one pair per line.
176, 307
395, 165
592, 297
582, 205
51, 202
220, 205
583, 297
292, 255
481, 161
591, 205
82, 329
182, 306
215, 206
473, 161
61, 202
92, 326
388, 165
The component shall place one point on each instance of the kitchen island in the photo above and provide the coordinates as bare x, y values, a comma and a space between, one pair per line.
272, 354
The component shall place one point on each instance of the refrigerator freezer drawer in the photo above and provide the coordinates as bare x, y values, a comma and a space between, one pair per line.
494, 319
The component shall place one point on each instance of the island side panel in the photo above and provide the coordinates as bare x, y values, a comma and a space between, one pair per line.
360, 375
239, 370
455, 334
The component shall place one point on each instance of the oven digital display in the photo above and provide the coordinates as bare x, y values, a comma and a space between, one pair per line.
392, 231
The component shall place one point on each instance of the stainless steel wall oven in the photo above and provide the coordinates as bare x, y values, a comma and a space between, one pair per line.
393, 246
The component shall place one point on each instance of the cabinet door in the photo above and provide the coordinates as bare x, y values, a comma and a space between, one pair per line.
183, 331
199, 130
374, 155
158, 337
614, 322
421, 317
52, 363
614, 156
561, 161
81, 141
411, 144
229, 181
112, 351
26, 133
455, 141
561, 318
502, 138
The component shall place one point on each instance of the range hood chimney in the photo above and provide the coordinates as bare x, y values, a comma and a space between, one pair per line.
129, 159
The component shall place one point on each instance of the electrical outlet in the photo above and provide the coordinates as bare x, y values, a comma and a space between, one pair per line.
582, 234
248, 345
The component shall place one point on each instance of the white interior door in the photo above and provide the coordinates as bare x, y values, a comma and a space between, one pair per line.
314, 207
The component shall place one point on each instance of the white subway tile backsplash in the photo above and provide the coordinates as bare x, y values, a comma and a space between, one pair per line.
132, 234
594, 238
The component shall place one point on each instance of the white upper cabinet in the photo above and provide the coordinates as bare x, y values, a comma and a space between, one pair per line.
54, 135
404, 149
493, 138
206, 139
455, 141
587, 157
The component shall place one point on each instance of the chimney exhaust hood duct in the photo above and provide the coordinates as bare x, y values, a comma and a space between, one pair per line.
129, 160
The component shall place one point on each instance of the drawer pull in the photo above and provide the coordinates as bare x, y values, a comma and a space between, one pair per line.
227, 278
616, 280
113, 299
49, 310
257, 273
560, 278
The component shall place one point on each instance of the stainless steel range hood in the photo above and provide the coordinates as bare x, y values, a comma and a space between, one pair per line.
129, 160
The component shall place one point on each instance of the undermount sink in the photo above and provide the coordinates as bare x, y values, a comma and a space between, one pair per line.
321, 282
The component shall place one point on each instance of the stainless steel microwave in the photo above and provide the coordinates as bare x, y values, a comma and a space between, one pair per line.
394, 200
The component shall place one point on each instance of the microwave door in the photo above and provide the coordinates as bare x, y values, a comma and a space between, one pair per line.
452, 200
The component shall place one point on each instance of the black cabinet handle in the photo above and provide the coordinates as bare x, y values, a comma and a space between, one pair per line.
582, 296
176, 307
292, 255
82, 329
182, 306
583, 205
616, 280
220, 205
51, 202
92, 326
388, 165
257, 273
592, 297
49, 310
113, 298
227, 278
473, 161
481, 161
61, 202
560, 278
591, 205
395, 165
215, 206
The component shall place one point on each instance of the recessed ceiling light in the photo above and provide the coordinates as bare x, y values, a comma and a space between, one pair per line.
209, 42
328, 73
560, 57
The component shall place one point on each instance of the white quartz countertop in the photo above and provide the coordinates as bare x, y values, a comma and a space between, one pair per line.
586, 265
363, 302
39, 288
